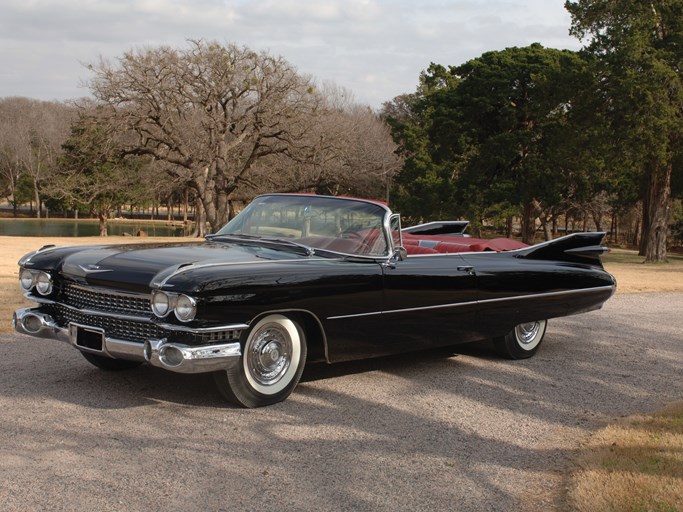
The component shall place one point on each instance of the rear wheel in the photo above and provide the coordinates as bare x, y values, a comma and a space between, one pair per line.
109, 364
271, 364
523, 341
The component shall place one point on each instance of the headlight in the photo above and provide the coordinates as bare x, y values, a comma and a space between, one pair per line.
161, 304
44, 283
25, 279
185, 308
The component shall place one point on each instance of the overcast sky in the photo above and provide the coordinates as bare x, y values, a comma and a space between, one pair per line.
375, 48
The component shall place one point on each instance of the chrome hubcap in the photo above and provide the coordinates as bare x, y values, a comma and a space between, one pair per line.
527, 332
269, 356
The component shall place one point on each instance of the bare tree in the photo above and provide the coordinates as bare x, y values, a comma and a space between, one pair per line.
350, 151
31, 136
210, 110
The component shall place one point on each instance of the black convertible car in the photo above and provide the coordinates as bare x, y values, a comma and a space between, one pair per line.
296, 278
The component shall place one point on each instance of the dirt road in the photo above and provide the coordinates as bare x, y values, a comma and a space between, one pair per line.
445, 430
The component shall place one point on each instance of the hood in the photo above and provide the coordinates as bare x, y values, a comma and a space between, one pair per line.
134, 267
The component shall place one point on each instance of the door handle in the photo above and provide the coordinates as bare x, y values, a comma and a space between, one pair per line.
466, 268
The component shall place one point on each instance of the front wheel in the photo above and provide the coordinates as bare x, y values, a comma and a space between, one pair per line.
521, 342
271, 364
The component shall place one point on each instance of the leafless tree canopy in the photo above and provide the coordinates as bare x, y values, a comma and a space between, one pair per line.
225, 118
211, 111
31, 135
221, 120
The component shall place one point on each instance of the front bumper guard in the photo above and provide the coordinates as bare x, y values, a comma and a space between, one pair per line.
175, 357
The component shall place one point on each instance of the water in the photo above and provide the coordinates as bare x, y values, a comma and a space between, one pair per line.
83, 227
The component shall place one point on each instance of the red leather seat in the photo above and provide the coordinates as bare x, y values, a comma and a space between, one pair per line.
416, 249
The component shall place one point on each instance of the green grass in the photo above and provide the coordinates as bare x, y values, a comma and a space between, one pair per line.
631, 257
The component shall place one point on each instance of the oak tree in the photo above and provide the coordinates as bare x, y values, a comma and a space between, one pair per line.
211, 111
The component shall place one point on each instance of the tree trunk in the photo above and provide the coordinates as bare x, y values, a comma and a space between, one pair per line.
529, 223
546, 229
186, 200
36, 195
199, 220
103, 217
555, 226
597, 219
658, 198
644, 221
636, 234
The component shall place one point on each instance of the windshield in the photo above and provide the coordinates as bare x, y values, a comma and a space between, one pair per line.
334, 224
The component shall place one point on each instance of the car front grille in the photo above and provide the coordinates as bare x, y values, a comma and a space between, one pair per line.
126, 317
120, 328
96, 299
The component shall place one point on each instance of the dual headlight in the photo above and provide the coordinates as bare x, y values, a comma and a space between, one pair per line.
42, 281
184, 307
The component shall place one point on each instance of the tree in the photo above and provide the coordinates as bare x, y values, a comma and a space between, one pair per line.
211, 111
94, 174
637, 46
350, 151
488, 134
424, 188
31, 135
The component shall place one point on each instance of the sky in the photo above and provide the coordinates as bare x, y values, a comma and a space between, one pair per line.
374, 48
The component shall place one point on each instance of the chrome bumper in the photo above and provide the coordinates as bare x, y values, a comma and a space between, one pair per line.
175, 357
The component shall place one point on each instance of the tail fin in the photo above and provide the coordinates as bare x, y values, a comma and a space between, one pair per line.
583, 248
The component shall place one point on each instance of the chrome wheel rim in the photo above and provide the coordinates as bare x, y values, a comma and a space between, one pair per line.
527, 332
269, 355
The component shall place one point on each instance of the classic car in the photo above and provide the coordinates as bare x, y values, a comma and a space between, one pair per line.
297, 278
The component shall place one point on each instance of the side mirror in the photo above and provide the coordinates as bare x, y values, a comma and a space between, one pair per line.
400, 253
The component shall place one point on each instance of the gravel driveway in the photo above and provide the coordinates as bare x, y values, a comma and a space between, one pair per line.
444, 430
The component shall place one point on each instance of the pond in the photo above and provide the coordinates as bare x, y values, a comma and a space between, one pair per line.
84, 227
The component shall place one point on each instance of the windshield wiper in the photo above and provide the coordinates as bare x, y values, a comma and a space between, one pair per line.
240, 237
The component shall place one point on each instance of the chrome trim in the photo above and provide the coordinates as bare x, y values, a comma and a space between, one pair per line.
162, 283
168, 298
483, 301
255, 320
595, 289
50, 283
91, 270
47, 328
27, 257
202, 330
199, 359
39, 300
342, 255
388, 235
31, 275
186, 359
173, 298
109, 291
109, 314
132, 318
